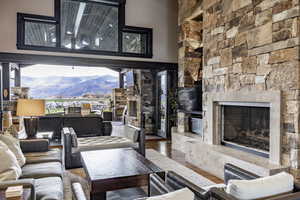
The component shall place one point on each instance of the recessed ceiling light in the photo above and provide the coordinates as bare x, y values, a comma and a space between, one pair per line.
110, 25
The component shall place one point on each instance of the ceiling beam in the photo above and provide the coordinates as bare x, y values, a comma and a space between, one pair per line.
79, 18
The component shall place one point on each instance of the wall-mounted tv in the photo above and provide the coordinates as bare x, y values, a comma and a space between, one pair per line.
190, 99
129, 79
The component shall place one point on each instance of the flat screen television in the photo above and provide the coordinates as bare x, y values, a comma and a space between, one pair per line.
129, 79
190, 99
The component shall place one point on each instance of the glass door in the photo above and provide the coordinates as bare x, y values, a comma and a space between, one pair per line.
162, 104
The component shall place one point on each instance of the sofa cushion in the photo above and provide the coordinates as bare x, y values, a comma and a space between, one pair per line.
103, 142
261, 187
14, 145
184, 193
9, 167
41, 170
49, 188
53, 155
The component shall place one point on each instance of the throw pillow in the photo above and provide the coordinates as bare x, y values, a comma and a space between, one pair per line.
184, 193
14, 145
9, 168
262, 187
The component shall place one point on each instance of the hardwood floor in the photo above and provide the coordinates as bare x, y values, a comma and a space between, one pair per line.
165, 148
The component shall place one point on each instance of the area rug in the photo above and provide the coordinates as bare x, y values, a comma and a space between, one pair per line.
158, 159
168, 164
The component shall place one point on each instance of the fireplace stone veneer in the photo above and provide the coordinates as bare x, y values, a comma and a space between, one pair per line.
213, 133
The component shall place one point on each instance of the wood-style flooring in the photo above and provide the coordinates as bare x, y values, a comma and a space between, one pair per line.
165, 148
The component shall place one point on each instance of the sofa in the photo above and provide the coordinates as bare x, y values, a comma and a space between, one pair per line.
91, 125
75, 143
173, 181
42, 172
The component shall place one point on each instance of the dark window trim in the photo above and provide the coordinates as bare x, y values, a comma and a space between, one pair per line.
23, 17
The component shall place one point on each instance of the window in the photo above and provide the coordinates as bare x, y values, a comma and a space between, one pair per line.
134, 43
84, 26
40, 34
87, 25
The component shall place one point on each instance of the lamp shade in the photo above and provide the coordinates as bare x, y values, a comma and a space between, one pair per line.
31, 107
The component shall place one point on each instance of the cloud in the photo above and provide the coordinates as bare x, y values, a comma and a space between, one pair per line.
66, 71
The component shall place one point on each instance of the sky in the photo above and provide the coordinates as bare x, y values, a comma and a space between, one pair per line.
66, 71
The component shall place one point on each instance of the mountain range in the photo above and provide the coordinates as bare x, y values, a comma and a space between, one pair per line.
66, 87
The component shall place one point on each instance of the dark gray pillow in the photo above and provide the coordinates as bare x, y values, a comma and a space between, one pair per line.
74, 138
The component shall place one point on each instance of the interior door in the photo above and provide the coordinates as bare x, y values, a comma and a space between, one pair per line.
162, 104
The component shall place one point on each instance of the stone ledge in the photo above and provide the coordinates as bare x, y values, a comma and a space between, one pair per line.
212, 158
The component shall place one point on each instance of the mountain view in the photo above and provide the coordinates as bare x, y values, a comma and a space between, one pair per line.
66, 87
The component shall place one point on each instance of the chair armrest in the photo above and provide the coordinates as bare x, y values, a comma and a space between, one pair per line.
177, 182
142, 142
26, 183
78, 193
234, 172
220, 194
67, 150
158, 186
34, 145
296, 187
292, 196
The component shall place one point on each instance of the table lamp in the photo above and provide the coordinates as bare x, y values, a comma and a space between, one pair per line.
31, 109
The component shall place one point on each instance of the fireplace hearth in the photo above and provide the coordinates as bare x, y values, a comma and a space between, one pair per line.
246, 127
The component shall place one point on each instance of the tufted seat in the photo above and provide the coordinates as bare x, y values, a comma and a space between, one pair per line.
104, 142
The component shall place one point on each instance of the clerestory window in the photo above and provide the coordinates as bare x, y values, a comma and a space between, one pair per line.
85, 26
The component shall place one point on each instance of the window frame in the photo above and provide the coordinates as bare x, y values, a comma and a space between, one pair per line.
22, 18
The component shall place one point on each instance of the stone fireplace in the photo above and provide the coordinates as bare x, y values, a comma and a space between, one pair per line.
247, 121
250, 57
246, 126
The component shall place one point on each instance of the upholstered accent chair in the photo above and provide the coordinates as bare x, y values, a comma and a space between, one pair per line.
132, 137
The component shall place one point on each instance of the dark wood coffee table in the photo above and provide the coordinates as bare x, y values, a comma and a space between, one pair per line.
115, 169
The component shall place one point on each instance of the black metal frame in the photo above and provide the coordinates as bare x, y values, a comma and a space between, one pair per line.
56, 20
252, 151
157, 103
115, 64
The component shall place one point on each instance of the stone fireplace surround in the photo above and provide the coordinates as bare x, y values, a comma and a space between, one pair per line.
213, 114
206, 151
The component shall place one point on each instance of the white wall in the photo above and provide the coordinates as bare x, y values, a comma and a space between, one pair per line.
161, 15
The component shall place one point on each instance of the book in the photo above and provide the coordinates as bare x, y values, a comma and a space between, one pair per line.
15, 191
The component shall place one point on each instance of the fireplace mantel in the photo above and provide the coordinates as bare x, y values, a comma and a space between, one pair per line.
272, 98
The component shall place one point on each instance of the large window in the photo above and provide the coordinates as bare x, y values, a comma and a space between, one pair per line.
85, 26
